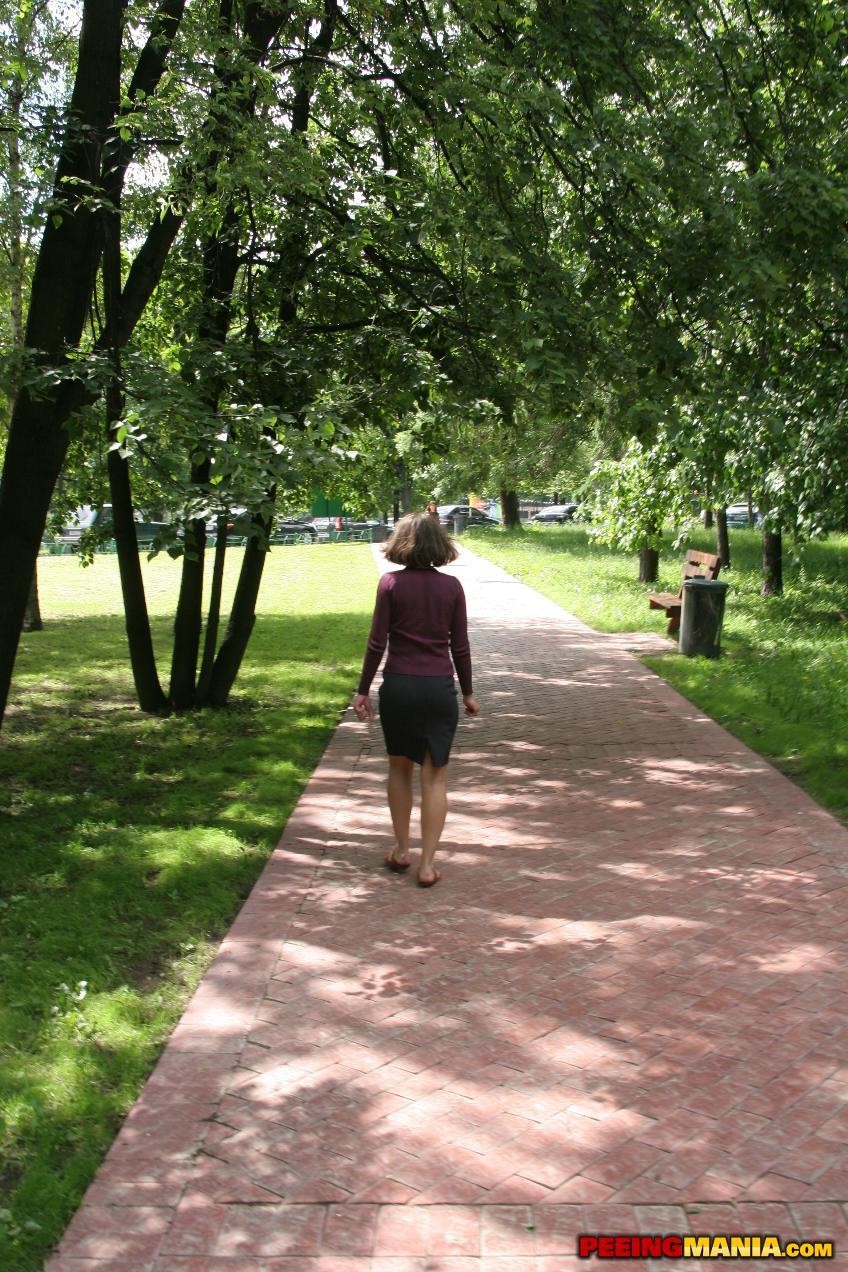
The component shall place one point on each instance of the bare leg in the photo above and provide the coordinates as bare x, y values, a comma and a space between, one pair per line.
434, 807
400, 802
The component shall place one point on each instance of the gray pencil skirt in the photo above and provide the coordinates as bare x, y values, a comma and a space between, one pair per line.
419, 715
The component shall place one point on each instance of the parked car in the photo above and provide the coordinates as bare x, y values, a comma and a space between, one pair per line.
295, 525
556, 514
324, 526
737, 516
473, 516
240, 522
90, 518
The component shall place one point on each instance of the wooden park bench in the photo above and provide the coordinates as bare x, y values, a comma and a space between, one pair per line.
698, 565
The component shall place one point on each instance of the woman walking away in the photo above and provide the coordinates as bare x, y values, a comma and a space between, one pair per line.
421, 614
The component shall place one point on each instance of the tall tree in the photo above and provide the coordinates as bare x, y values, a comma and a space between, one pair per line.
29, 43
62, 289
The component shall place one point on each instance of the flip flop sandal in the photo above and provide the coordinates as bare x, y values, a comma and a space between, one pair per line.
397, 867
429, 883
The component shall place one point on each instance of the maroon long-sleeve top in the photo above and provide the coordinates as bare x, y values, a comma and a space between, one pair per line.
421, 615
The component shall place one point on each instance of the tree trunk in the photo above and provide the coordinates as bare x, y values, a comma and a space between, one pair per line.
220, 268
509, 510
649, 561
60, 297
240, 626
189, 616
15, 216
709, 518
213, 621
32, 617
14, 182
772, 584
136, 618
34, 456
722, 538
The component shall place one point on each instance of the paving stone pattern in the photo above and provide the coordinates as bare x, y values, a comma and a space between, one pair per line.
623, 1009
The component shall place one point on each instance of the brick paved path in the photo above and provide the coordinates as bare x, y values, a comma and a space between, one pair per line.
623, 1009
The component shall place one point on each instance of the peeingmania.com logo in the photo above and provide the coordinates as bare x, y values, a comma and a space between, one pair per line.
601, 1245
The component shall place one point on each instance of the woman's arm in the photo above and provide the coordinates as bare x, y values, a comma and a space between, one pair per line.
461, 651
377, 639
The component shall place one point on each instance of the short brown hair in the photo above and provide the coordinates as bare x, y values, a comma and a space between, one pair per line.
418, 541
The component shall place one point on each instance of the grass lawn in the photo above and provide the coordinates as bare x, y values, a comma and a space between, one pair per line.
781, 684
128, 843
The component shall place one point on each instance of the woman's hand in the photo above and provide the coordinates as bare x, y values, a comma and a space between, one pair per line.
472, 706
362, 706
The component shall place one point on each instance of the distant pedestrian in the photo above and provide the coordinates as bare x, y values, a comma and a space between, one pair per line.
421, 615
433, 509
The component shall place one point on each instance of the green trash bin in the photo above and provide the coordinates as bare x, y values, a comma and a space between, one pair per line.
702, 617
460, 521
